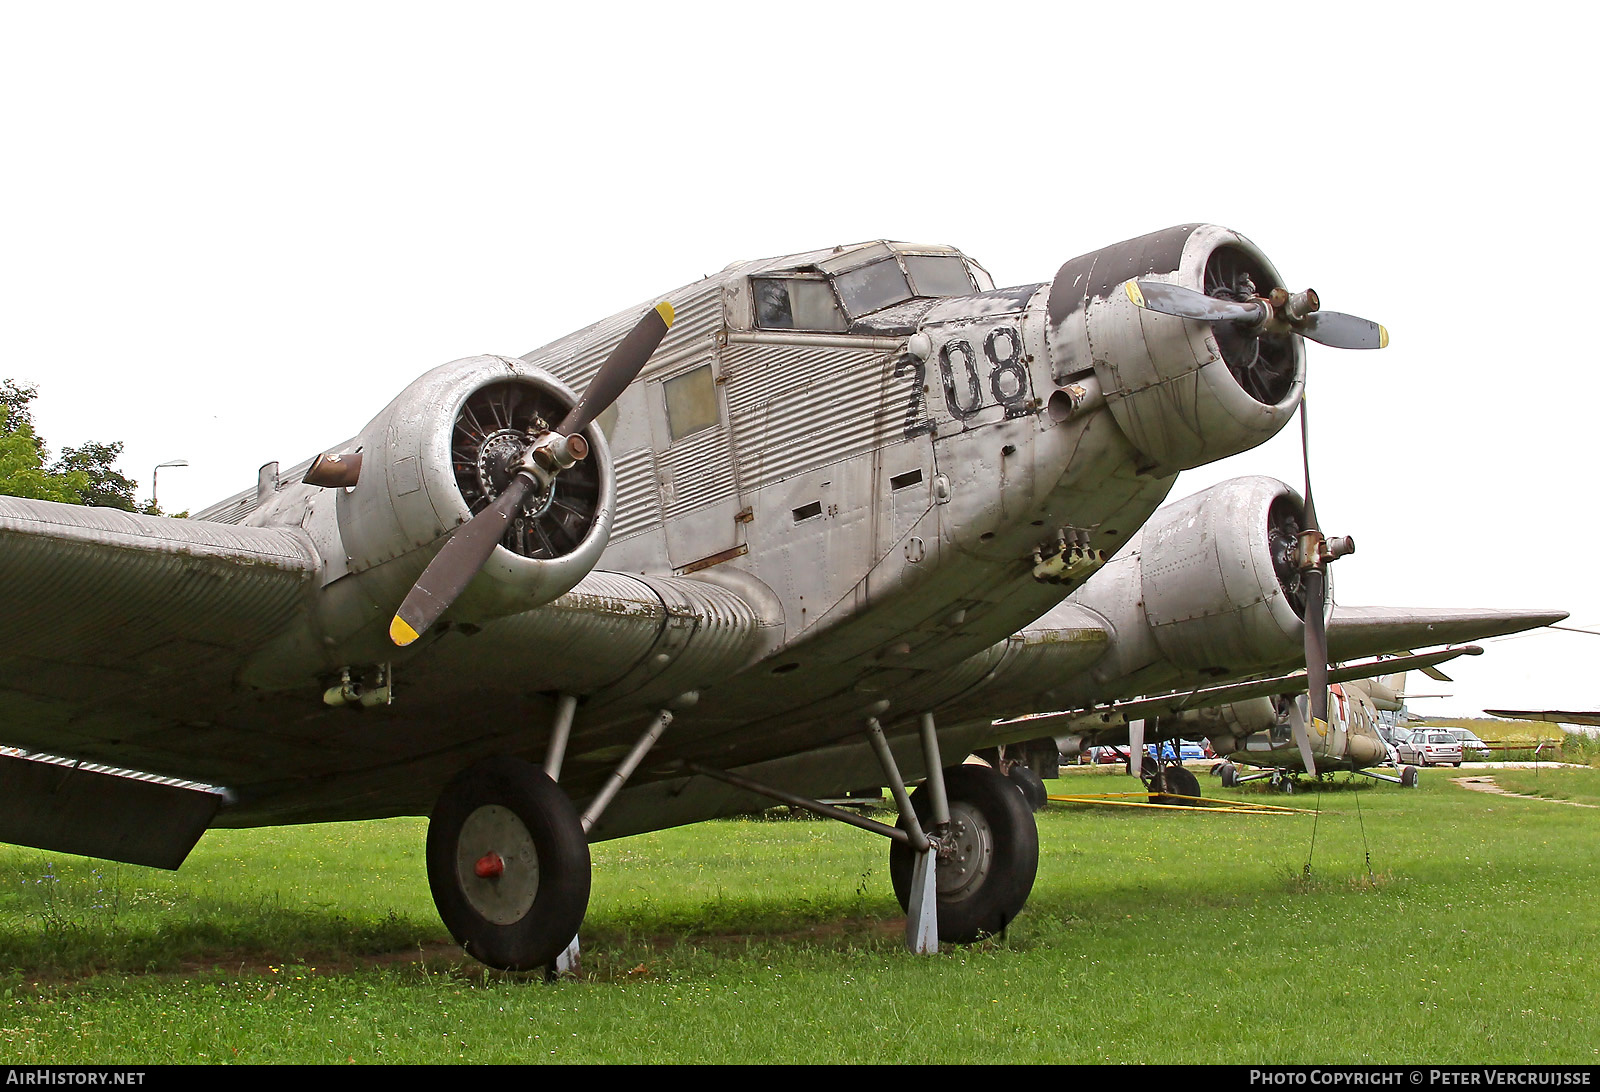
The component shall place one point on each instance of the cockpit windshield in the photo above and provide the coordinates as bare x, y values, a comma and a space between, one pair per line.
872, 287
834, 293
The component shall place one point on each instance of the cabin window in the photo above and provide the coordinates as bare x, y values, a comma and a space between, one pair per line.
691, 402
939, 275
796, 303
872, 287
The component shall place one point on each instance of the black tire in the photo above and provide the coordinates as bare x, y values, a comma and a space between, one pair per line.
1031, 786
1286, 786
986, 883
1230, 775
524, 916
1179, 783
1408, 777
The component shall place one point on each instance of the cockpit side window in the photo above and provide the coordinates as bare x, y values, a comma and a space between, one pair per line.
797, 303
939, 275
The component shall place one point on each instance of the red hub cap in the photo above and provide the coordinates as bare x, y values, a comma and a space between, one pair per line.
489, 866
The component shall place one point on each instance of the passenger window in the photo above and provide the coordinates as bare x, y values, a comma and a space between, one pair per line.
691, 402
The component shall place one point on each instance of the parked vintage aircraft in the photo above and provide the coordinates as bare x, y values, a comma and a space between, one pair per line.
785, 543
1253, 722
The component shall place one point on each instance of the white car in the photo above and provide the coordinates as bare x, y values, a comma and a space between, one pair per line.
1431, 747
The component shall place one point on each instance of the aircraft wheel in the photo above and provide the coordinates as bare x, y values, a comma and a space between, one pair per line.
1286, 786
1230, 775
1031, 786
1179, 783
508, 864
986, 871
1408, 777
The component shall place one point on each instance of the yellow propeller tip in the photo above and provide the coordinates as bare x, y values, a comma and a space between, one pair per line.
1383, 337
664, 309
401, 633
1135, 295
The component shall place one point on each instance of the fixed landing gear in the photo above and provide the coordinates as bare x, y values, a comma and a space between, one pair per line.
1171, 783
1031, 785
986, 859
508, 864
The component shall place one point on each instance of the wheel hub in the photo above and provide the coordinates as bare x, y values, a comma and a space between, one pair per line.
966, 850
497, 865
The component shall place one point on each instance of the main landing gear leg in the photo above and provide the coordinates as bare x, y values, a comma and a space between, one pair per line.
508, 855
920, 898
983, 850
964, 856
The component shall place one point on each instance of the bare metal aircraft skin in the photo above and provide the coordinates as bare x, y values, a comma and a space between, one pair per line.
855, 507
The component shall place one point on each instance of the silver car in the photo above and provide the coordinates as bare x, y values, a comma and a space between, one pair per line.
1471, 745
1431, 747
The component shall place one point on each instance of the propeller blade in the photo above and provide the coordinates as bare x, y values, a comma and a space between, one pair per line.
1343, 331
1135, 747
1302, 739
1305, 464
453, 567
620, 368
1314, 580
1170, 299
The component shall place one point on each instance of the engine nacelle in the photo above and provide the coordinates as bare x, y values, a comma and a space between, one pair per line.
1183, 392
1226, 726
443, 450
1218, 580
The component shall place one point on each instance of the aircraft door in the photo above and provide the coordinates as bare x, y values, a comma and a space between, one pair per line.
700, 501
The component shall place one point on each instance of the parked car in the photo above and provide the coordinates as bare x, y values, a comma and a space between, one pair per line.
1430, 747
1471, 746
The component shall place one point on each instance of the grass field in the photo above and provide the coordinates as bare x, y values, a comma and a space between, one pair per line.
1435, 925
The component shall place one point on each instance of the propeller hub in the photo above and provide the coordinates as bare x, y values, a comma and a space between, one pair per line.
499, 459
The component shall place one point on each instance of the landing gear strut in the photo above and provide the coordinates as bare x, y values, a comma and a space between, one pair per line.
986, 859
508, 864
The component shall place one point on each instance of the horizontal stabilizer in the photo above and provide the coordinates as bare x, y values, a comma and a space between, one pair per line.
1371, 631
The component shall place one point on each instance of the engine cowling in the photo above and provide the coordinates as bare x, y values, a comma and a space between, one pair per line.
1183, 392
1217, 577
435, 455
443, 450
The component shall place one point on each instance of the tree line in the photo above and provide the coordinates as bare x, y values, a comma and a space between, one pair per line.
79, 475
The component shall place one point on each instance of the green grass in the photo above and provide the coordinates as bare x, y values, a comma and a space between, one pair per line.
1150, 936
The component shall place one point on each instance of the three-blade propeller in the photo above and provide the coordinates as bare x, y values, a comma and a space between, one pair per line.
546, 455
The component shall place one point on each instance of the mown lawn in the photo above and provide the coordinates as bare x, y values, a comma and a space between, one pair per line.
1432, 925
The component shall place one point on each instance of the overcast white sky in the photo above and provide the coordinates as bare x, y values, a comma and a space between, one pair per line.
232, 232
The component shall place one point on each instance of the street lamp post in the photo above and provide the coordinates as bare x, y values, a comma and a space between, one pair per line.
154, 474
